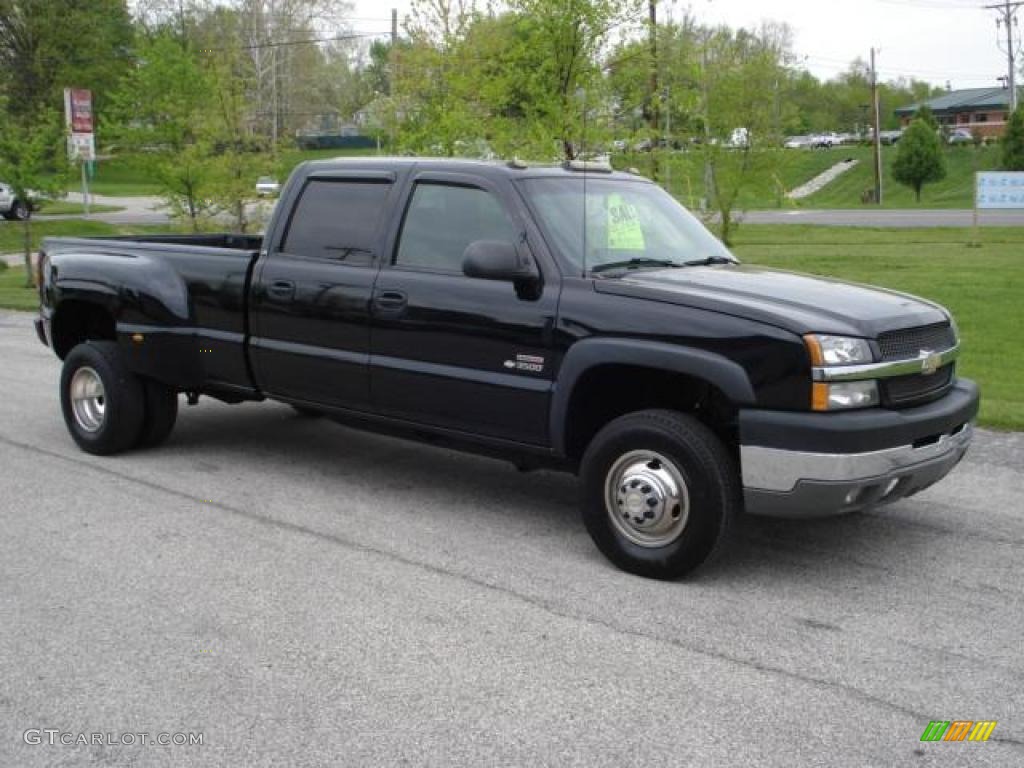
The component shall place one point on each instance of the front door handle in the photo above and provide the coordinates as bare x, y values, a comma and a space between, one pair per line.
283, 290
390, 301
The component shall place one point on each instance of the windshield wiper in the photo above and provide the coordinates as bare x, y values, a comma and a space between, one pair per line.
635, 264
708, 261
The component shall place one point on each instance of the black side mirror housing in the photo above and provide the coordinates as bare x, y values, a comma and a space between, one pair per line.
498, 260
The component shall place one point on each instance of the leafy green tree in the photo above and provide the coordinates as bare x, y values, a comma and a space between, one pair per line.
1013, 142
926, 115
740, 122
49, 45
919, 158
32, 163
160, 113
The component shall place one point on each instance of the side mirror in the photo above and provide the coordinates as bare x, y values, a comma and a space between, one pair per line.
498, 260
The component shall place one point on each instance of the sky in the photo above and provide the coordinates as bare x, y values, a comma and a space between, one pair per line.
933, 40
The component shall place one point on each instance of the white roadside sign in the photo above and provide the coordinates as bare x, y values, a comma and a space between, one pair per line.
82, 147
999, 189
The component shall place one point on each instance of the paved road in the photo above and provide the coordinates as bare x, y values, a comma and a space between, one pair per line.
887, 218
304, 594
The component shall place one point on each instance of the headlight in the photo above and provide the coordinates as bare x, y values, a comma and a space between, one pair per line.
841, 395
837, 350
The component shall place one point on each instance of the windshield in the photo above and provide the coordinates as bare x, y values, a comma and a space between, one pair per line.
627, 223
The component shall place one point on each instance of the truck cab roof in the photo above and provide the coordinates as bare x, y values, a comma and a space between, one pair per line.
513, 169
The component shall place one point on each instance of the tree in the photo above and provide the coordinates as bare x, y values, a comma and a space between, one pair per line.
740, 73
160, 112
919, 159
49, 45
30, 152
1013, 142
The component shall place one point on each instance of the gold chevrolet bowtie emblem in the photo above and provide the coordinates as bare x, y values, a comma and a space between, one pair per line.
930, 361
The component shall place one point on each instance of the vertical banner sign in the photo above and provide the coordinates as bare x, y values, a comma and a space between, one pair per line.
79, 120
81, 138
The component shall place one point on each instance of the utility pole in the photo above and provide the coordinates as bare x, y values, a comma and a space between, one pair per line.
878, 130
652, 86
392, 73
1008, 18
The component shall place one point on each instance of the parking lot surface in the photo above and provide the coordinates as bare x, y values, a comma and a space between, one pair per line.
304, 594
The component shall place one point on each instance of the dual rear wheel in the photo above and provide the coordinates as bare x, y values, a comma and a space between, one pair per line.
109, 409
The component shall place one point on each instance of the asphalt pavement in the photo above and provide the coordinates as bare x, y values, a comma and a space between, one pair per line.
302, 594
897, 218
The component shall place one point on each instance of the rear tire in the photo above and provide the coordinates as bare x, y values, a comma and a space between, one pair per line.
102, 401
659, 493
161, 413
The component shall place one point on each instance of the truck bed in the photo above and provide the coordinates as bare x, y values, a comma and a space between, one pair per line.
184, 296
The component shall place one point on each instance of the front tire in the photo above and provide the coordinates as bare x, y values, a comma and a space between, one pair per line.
659, 493
102, 401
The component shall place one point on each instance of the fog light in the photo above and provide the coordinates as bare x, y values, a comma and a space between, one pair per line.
890, 487
843, 395
852, 496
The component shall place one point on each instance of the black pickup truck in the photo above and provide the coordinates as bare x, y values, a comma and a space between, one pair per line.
562, 317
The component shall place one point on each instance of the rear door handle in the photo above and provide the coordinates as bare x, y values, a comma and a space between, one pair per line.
282, 289
390, 301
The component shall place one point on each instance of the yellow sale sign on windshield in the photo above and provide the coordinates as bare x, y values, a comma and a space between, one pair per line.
624, 230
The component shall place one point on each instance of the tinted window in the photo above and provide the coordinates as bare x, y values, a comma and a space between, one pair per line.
443, 219
337, 220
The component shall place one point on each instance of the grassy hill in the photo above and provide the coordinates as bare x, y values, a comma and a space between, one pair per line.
797, 166
955, 191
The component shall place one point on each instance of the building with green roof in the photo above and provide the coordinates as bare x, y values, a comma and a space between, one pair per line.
982, 111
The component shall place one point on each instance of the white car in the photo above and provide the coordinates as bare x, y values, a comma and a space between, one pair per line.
11, 208
267, 186
825, 141
797, 142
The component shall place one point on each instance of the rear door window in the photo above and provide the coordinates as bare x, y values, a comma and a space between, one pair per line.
337, 220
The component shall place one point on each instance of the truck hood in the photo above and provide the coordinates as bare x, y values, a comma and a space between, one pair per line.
799, 303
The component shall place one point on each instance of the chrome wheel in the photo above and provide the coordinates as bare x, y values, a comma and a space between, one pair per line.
647, 499
88, 399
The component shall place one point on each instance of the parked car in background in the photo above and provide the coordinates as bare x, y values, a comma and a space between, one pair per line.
960, 136
11, 207
825, 140
267, 186
890, 137
797, 142
739, 138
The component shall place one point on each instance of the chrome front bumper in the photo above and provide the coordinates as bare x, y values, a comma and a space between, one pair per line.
787, 483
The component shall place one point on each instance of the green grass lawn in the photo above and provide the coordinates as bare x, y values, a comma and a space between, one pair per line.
13, 293
981, 286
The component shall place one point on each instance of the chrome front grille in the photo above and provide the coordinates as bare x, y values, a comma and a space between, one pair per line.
916, 388
909, 342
